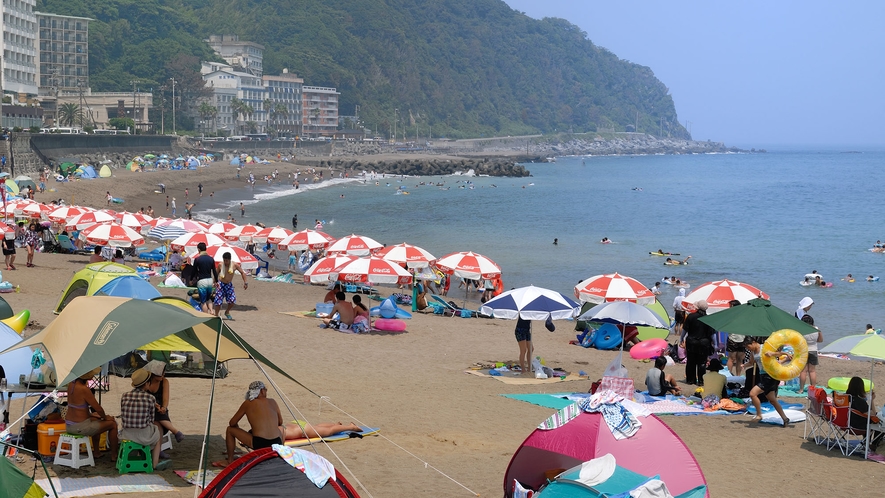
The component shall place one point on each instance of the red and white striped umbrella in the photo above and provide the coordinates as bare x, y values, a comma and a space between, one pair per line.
61, 214
354, 245
4, 229
407, 254
189, 241
15, 207
304, 240
36, 210
111, 234
271, 234
242, 233
135, 221
372, 270
221, 228
321, 270
190, 226
237, 255
613, 287
719, 293
159, 221
468, 265
87, 219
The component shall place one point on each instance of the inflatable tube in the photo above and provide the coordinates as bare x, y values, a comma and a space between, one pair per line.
19, 321
402, 314
806, 283
874, 279
841, 384
389, 324
387, 309
649, 349
607, 337
117, 200
777, 340
305, 261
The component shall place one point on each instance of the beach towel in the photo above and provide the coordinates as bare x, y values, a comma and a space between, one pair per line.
70, 487
316, 468
195, 477
516, 380
561, 417
619, 420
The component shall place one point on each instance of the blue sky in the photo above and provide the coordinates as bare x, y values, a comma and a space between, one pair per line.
751, 73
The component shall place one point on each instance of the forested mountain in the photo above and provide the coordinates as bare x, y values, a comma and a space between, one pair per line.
464, 67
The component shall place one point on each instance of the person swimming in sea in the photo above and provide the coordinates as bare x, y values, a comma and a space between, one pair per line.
676, 262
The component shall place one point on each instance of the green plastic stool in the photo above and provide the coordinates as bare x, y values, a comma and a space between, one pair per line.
134, 457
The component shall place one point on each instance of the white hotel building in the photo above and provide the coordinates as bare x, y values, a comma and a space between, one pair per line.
19, 63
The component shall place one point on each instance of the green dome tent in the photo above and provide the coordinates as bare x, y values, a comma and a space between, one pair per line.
90, 279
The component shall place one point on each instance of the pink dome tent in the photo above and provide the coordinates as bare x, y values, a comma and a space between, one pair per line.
588, 437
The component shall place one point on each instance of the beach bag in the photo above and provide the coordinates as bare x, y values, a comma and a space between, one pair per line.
549, 323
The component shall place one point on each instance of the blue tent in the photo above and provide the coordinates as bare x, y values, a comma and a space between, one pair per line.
235, 161
129, 286
88, 172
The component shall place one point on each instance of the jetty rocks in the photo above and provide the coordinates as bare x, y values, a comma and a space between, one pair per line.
627, 144
490, 166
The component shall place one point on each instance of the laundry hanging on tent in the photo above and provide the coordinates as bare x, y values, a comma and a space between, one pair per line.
619, 420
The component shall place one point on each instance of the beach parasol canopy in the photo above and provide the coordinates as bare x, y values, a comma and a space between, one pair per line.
613, 287
531, 303
624, 313
354, 245
242, 233
758, 318
36, 210
407, 254
238, 255
61, 214
321, 271
305, 240
372, 270
87, 219
221, 228
861, 347
111, 234
189, 241
719, 293
468, 265
272, 235
135, 221
171, 229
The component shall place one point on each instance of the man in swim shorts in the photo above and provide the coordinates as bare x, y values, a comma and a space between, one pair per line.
225, 288
207, 275
523, 334
264, 417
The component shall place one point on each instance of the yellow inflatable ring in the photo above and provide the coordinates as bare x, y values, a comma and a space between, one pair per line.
19, 321
777, 340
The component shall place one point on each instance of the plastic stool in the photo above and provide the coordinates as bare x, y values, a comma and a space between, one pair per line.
166, 441
67, 452
134, 457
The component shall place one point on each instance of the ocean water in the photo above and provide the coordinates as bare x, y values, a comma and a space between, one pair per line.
764, 219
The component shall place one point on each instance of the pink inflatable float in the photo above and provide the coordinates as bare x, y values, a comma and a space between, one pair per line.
389, 324
651, 348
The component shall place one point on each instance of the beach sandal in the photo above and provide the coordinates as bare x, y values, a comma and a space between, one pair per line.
165, 464
220, 464
228, 317
179, 436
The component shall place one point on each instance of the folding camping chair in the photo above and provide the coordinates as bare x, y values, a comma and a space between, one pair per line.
262, 265
846, 437
817, 418
450, 308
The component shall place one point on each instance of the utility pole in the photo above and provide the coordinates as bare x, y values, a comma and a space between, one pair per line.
134, 103
173, 106
395, 110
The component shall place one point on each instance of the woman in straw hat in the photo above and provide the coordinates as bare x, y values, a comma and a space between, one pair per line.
85, 417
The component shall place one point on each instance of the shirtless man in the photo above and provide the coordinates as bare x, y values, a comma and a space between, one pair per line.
264, 417
671, 261
302, 430
345, 311
225, 287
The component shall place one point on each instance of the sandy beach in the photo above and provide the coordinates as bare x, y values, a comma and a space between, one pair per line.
413, 386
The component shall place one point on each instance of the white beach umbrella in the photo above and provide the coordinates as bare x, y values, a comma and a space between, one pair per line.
188, 242
354, 245
111, 234
613, 287
721, 292
272, 235
242, 233
372, 270
531, 303
469, 265
321, 271
238, 255
407, 254
87, 219
305, 240
61, 214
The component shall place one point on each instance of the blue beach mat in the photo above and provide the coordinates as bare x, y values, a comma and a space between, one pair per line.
555, 401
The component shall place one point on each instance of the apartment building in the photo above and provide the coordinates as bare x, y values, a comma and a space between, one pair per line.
319, 109
286, 90
242, 55
64, 52
19, 63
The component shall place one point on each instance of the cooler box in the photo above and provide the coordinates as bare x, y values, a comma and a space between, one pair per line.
47, 436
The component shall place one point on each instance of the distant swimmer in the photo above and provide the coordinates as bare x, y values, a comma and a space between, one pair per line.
872, 279
605, 240
848, 278
556, 242
638, 189
660, 252
676, 262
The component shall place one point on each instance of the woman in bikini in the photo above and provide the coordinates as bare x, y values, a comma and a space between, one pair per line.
81, 421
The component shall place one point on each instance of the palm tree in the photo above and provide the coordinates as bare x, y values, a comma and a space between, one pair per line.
267, 107
69, 113
280, 111
206, 111
240, 108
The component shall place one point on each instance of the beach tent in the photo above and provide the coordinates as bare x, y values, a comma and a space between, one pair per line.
235, 161
11, 187
90, 279
654, 450
265, 473
192, 162
17, 484
5, 309
128, 286
87, 171
66, 167
105, 171
15, 362
25, 181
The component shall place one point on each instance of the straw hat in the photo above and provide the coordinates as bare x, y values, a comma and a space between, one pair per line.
90, 374
140, 377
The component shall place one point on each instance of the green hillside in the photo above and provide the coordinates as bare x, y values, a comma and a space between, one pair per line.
464, 67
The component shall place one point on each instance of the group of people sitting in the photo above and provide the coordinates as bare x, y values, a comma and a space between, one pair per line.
144, 412
353, 316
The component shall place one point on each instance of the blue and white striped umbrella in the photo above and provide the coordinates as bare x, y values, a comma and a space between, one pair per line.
166, 232
531, 303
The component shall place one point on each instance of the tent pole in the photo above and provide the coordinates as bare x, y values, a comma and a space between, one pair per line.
866, 450
203, 451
